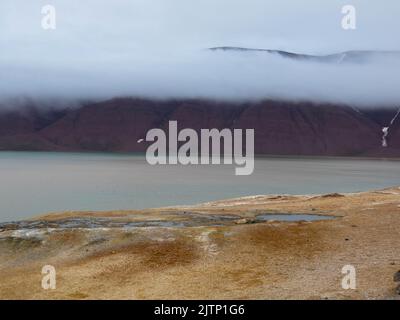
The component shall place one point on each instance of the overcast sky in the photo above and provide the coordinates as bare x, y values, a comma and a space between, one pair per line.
104, 48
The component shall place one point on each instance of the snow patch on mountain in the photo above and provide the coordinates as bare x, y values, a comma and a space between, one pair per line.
385, 130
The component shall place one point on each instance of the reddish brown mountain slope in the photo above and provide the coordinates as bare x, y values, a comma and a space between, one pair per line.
284, 128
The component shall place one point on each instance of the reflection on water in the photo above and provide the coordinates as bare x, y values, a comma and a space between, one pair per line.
41, 182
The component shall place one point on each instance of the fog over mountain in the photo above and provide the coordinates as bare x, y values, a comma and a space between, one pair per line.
161, 49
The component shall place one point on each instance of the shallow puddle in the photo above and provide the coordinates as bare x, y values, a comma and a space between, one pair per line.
292, 217
188, 219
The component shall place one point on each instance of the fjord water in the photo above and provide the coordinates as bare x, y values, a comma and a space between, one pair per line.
34, 183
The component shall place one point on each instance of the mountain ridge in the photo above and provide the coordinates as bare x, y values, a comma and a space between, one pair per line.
341, 57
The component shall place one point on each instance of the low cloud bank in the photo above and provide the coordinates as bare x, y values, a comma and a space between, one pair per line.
211, 75
102, 49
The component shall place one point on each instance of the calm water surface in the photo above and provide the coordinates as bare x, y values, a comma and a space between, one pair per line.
39, 182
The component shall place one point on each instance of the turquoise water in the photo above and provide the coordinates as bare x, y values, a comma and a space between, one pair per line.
40, 182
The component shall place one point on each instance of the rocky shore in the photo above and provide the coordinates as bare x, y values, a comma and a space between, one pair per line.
231, 249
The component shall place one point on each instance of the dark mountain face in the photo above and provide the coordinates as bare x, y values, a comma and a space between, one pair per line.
281, 128
382, 116
308, 129
20, 129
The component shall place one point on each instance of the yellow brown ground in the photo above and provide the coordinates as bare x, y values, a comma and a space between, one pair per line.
273, 260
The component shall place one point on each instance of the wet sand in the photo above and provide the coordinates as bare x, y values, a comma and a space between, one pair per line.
216, 250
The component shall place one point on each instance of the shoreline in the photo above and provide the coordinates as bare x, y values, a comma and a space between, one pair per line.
237, 260
256, 155
84, 182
